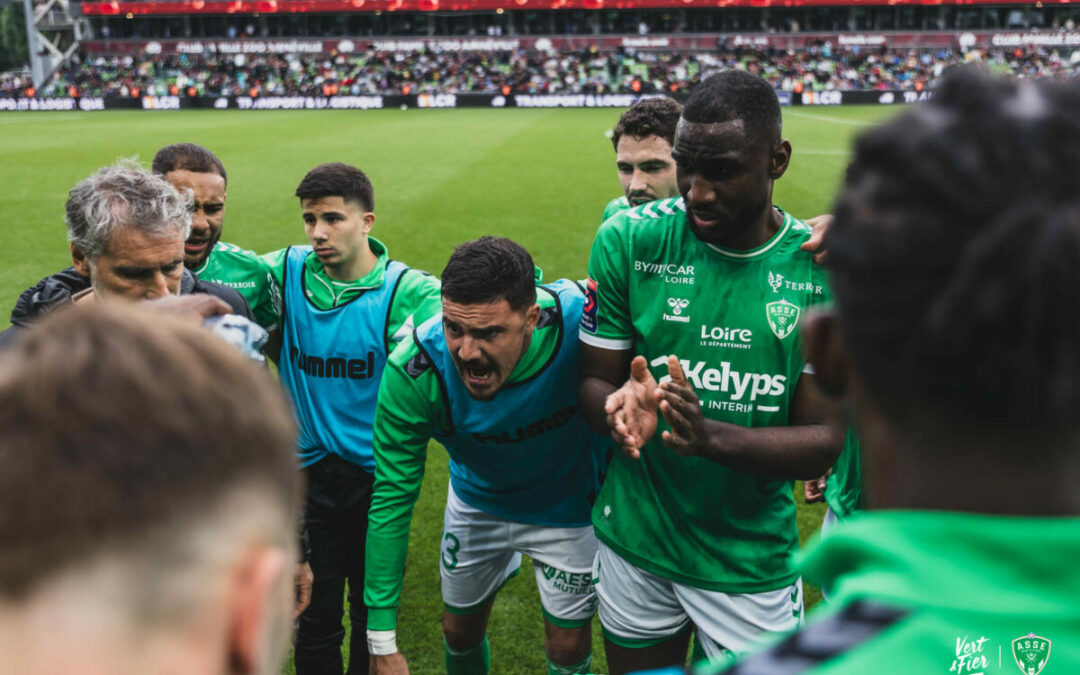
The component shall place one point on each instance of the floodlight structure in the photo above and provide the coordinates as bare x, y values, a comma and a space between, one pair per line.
52, 36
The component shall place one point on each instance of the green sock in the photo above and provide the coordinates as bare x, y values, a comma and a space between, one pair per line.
475, 661
580, 669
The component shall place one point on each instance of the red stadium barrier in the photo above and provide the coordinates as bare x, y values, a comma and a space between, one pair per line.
115, 8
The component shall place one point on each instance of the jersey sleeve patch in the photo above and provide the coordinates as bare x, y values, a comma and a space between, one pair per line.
418, 365
588, 312
549, 316
821, 641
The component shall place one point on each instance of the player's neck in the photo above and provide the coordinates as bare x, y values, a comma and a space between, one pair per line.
760, 231
1032, 476
358, 268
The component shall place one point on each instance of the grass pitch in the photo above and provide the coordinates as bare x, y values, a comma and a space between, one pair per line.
541, 177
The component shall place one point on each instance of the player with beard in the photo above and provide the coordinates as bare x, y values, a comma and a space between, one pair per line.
193, 168
642, 140
493, 379
345, 304
708, 291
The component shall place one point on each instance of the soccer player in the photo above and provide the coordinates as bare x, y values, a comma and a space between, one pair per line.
494, 380
643, 138
345, 304
696, 519
150, 498
953, 256
196, 169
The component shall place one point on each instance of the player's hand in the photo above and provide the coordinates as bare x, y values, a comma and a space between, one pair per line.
681, 409
814, 490
631, 409
195, 307
391, 664
814, 244
303, 578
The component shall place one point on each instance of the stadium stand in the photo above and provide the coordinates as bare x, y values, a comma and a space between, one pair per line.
816, 68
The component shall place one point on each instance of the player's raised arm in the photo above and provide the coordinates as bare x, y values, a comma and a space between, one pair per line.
802, 451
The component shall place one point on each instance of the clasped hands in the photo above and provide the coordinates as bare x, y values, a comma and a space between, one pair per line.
632, 411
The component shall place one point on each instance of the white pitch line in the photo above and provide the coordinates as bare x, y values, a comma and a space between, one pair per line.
829, 118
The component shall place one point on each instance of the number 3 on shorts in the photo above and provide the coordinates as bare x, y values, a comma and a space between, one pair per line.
449, 558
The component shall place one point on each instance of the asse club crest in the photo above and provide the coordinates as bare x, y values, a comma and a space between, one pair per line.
1031, 653
783, 317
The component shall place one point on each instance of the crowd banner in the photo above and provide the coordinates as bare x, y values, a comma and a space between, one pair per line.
379, 102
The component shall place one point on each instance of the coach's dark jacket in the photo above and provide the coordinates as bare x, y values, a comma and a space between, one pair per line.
55, 291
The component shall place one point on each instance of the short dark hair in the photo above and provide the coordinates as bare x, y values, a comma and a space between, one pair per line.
187, 157
648, 117
490, 269
736, 95
955, 256
121, 423
338, 180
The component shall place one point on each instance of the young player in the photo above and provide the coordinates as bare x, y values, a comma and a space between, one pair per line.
696, 524
345, 304
643, 138
494, 380
952, 257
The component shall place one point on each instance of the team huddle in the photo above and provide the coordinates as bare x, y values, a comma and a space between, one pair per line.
638, 433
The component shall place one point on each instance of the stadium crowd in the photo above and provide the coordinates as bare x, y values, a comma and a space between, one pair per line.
816, 68
638, 434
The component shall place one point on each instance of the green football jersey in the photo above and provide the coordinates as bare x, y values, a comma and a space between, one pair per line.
938, 592
732, 319
614, 206
248, 274
843, 488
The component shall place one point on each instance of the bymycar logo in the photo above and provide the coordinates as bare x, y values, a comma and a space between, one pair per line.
742, 388
673, 274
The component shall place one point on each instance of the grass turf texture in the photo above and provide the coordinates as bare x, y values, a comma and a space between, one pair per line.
441, 177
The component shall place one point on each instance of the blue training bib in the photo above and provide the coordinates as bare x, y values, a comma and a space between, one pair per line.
525, 455
331, 364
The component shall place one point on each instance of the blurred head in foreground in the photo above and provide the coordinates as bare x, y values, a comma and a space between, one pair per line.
955, 256
149, 498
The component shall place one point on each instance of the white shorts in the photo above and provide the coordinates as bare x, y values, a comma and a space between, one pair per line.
481, 552
640, 609
829, 521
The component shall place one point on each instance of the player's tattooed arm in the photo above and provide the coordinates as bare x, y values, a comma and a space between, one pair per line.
803, 451
612, 404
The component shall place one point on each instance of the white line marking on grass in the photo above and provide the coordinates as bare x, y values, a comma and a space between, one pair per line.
829, 118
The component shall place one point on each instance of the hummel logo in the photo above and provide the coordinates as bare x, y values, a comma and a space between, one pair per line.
677, 305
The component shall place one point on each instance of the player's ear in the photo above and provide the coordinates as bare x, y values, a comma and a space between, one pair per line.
79, 261
826, 352
532, 317
258, 606
781, 157
368, 221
